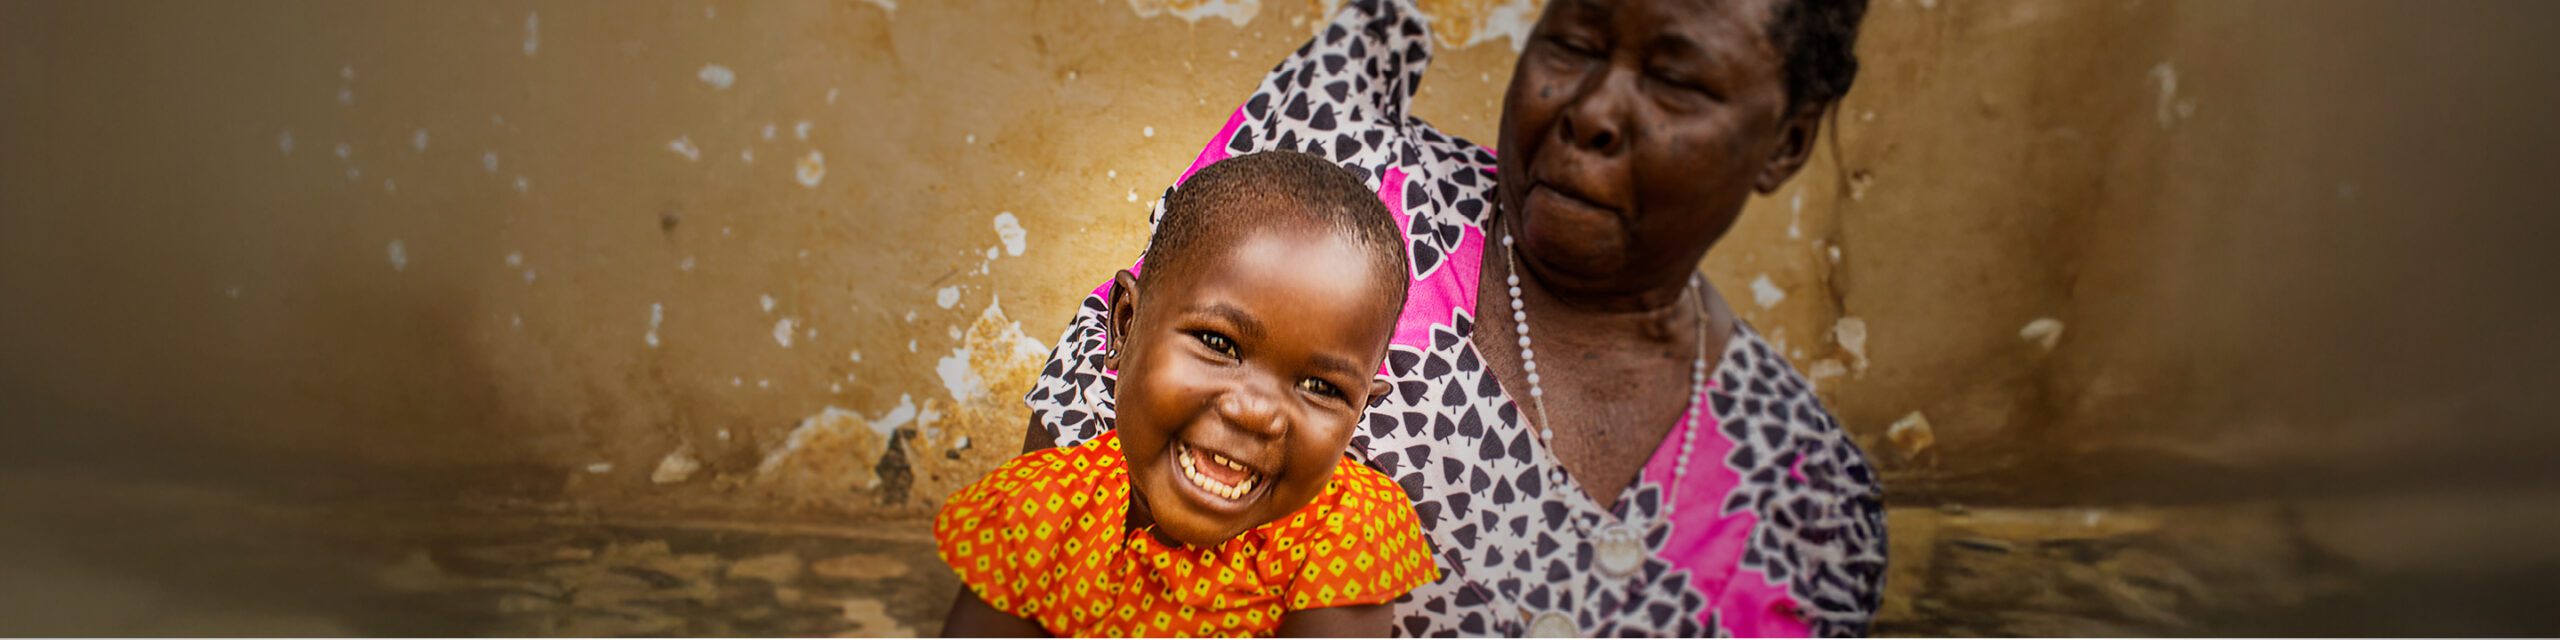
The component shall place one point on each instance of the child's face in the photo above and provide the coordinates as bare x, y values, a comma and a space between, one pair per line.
1241, 380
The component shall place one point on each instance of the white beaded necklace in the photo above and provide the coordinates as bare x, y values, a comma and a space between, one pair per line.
1620, 545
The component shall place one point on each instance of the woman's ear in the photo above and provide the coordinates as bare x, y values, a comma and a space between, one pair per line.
1118, 322
1796, 136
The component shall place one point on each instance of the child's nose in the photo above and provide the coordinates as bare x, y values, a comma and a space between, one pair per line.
1251, 408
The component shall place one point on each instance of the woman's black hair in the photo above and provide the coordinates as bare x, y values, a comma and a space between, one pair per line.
1820, 41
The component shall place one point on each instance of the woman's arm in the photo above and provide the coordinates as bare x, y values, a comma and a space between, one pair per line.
1355, 621
974, 618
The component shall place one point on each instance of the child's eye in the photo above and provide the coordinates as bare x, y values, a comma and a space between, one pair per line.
1217, 342
1319, 387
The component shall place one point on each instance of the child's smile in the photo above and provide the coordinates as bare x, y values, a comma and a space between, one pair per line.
1216, 473
1243, 375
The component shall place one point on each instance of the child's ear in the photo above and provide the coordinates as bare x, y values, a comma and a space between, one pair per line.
1118, 321
1378, 389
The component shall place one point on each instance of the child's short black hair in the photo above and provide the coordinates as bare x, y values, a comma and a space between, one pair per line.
1268, 187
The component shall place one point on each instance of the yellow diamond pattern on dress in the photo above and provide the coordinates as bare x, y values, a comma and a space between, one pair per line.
1042, 538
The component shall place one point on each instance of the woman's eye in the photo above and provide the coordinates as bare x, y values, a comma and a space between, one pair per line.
1319, 387
1217, 343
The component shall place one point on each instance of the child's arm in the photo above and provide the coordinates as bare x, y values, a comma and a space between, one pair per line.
1355, 621
974, 618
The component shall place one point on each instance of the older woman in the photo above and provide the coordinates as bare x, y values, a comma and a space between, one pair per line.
1610, 451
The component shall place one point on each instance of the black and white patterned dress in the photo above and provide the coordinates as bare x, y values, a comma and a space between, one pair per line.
1778, 530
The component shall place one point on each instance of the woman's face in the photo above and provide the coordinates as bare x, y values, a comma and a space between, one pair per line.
1242, 379
1632, 133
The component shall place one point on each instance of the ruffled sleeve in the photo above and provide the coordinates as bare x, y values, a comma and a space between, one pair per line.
986, 533
1363, 547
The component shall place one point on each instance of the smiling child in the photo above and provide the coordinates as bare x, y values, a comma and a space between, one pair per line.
1223, 502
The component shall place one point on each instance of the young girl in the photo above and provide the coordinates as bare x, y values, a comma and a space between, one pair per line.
1222, 503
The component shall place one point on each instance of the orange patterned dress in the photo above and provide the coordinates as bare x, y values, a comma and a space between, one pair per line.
1045, 537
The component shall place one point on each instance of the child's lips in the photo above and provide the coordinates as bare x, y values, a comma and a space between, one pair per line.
1215, 473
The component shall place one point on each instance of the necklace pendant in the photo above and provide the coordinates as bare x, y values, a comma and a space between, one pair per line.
1618, 550
1553, 624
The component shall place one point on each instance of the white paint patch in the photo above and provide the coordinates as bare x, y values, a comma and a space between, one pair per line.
764, 383
528, 276
768, 131
1766, 293
911, 345
1511, 19
831, 95
685, 265
683, 146
1113, 174
489, 161
678, 466
515, 320
1795, 215
347, 72
532, 33
1835, 255
1911, 434
2045, 332
515, 259
1238, 12
1149, 132
284, 142
1133, 195
765, 301
801, 129
747, 156
353, 173
347, 96
991, 254
523, 185
953, 331
947, 297
911, 316
719, 77
2171, 108
782, 332
600, 468
399, 256
898, 416
856, 356
1009, 230
960, 445
1824, 369
969, 139
418, 140
958, 378
657, 316
391, 187
1851, 334
890, 6
811, 169
345, 151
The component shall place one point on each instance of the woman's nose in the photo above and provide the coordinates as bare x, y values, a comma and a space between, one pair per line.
1595, 119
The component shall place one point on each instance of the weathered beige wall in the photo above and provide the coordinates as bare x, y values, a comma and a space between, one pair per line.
546, 250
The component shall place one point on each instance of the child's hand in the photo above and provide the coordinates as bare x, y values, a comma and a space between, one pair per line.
1357, 621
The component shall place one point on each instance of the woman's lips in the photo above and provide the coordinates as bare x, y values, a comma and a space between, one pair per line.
1216, 474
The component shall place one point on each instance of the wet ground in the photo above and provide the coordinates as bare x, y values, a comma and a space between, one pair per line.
126, 558
127, 554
